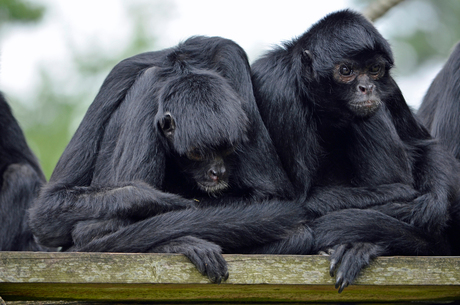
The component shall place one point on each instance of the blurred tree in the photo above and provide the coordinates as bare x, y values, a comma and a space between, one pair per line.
378, 8
420, 31
20, 11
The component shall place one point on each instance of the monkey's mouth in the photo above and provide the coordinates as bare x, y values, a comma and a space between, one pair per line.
213, 188
365, 107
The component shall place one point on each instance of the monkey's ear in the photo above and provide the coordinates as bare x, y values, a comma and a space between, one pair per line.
307, 62
167, 125
308, 53
307, 58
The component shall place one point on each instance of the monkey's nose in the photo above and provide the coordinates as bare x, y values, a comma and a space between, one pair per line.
216, 174
366, 88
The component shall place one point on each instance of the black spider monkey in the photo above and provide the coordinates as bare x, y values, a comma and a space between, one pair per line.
172, 156
20, 179
348, 140
440, 113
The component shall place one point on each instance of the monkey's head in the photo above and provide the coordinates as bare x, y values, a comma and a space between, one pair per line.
347, 64
203, 121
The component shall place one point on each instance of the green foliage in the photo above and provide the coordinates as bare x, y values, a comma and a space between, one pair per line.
20, 11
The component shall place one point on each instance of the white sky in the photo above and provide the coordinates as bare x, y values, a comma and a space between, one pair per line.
254, 24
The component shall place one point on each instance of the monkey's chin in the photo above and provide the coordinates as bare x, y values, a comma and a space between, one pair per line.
213, 189
365, 108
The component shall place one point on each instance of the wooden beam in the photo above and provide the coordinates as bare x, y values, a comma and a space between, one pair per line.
253, 278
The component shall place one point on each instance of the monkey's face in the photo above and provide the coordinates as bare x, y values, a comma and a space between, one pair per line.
209, 170
359, 85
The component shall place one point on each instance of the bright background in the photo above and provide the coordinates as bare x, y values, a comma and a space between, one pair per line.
51, 69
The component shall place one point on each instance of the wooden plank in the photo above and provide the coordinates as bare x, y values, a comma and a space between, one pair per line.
253, 278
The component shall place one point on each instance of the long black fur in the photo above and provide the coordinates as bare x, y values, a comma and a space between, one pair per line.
20, 179
386, 164
440, 108
117, 186
440, 113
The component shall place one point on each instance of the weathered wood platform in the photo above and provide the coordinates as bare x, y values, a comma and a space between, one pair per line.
169, 278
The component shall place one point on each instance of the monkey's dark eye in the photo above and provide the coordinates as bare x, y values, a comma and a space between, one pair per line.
375, 69
345, 70
195, 155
